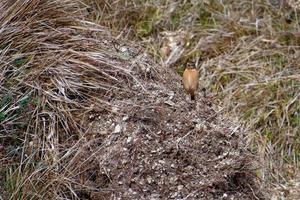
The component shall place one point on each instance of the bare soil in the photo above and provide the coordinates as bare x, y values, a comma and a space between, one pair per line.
167, 147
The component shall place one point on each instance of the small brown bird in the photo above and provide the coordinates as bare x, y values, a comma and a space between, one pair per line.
190, 81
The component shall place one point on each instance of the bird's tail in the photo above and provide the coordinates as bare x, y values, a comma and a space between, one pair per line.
192, 96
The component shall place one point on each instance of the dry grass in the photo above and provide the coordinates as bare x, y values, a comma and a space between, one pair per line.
249, 55
88, 115
56, 69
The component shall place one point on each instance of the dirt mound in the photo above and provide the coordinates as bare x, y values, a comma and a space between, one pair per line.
101, 120
172, 151
169, 148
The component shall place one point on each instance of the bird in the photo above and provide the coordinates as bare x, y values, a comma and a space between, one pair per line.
190, 81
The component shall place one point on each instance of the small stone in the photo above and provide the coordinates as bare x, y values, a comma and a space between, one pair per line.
123, 49
149, 179
162, 161
175, 195
103, 132
173, 179
91, 116
117, 129
125, 118
114, 109
129, 139
225, 195
180, 187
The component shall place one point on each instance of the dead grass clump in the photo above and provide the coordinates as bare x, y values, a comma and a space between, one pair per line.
56, 69
87, 116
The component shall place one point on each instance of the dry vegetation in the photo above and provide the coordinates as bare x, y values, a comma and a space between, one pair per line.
248, 56
86, 114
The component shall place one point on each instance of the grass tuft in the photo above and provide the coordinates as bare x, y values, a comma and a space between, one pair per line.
56, 69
